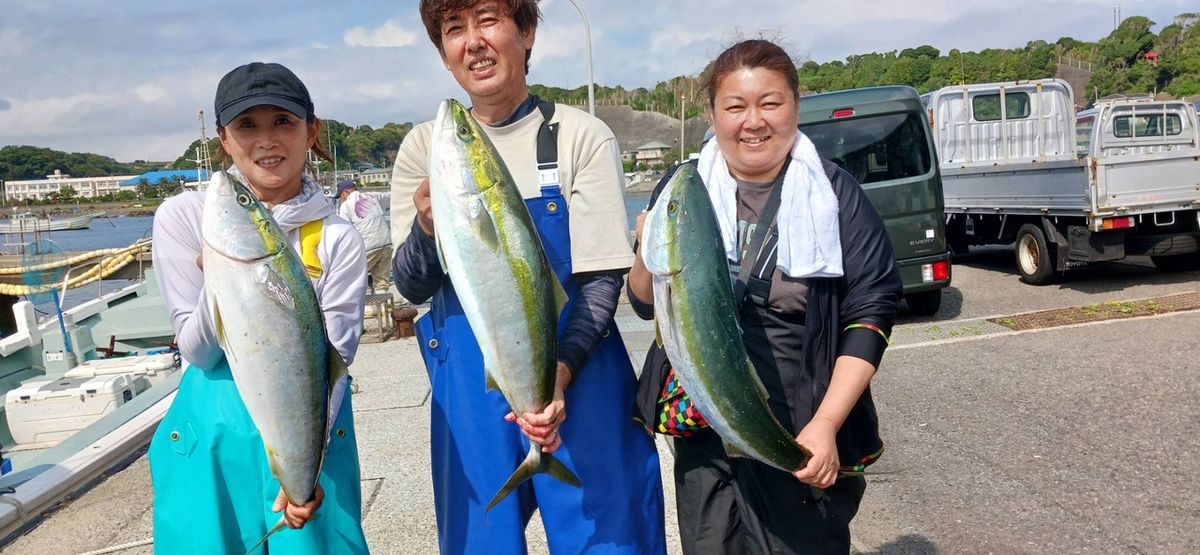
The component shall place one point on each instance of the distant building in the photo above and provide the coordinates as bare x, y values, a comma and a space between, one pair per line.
343, 175
374, 176
651, 153
85, 187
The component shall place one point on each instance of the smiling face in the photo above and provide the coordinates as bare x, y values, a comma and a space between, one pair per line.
269, 145
484, 49
754, 117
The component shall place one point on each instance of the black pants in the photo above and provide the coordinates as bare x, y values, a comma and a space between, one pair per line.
738, 505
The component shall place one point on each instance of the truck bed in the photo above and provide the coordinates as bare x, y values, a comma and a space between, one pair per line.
1054, 188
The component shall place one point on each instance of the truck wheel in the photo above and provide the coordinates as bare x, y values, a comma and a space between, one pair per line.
1035, 260
925, 303
1177, 263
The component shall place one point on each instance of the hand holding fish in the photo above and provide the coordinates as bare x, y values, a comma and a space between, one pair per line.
424, 205
820, 437
297, 516
542, 428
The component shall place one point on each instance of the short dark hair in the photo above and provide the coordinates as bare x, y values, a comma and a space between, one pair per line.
751, 54
525, 14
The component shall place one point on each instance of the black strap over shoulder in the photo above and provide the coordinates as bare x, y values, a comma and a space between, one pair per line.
547, 143
766, 226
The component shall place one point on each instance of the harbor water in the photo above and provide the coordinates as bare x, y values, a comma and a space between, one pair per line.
105, 233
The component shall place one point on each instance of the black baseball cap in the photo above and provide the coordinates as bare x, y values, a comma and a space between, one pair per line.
258, 84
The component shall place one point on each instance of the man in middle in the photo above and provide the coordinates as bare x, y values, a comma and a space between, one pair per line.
567, 166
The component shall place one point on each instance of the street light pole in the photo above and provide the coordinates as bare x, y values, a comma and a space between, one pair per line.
682, 112
587, 33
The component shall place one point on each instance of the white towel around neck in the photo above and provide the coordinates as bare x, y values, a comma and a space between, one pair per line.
810, 242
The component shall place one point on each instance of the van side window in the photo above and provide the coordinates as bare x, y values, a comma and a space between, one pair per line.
874, 149
986, 107
1147, 125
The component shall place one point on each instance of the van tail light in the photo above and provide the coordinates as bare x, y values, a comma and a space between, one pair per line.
843, 113
938, 271
941, 271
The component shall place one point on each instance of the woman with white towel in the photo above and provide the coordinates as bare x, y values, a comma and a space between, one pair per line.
819, 304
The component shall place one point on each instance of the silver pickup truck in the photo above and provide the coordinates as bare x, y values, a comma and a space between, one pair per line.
1018, 165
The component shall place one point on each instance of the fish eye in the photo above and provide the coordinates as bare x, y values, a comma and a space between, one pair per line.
463, 131
243, 200
672, 207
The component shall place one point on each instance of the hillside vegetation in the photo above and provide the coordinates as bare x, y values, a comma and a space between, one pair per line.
1118, 62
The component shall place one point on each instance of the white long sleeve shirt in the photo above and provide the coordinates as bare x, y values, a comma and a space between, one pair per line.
341, 289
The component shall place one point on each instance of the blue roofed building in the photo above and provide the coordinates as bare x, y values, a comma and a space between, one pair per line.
184, 177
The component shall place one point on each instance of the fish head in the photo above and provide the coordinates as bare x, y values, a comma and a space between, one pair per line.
236, 225
680, 219
463, 160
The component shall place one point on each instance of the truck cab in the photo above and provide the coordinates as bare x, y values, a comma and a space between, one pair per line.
879, 135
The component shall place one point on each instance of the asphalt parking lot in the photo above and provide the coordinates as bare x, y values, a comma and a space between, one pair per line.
1077, 439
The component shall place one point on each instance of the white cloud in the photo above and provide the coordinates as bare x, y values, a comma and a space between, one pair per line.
388, 35
679, 36
150, 92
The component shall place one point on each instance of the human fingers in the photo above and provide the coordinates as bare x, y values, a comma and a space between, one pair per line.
554, 443
424, 206
280, 502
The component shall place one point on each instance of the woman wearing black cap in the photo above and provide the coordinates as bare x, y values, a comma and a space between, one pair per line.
213, 488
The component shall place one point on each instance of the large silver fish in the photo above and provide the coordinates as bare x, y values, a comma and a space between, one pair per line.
698, 326
270, 326
491, 250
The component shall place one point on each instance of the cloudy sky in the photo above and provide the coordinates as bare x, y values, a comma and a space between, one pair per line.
126, 79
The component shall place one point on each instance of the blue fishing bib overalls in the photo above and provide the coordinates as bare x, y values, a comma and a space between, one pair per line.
213, 488
619, 508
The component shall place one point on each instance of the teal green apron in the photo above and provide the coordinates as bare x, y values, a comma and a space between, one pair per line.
213, 490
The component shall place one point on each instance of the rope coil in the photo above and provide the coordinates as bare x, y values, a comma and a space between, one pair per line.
111, 260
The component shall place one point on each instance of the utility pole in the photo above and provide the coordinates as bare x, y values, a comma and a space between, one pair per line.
682, 121
203, 156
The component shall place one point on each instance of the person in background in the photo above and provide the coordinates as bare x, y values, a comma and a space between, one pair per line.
213, 487
821, 294
567, 166
365, 212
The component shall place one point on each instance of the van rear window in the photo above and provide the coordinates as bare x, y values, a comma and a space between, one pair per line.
875, 148
986, 107
1147, 125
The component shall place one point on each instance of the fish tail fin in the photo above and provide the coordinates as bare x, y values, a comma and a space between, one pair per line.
558, 470
278, 526
535, 462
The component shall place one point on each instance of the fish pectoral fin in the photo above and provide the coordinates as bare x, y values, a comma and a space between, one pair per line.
658, 334
219, 326
485, 227
437, 239
491, 382
274, 287
732, 450
757, 381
